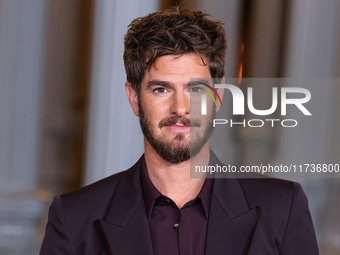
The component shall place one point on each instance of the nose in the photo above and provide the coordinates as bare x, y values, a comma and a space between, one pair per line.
180, 104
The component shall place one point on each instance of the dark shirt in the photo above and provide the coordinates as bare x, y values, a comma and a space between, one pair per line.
173, 230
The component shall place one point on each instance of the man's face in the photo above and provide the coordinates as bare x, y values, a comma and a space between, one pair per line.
164, 107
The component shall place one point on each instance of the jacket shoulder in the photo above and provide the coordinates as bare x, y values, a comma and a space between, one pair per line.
93, 200
93, 191
71, 226
269, 190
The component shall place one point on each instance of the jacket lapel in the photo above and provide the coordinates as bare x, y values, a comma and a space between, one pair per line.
231, 222
125, 229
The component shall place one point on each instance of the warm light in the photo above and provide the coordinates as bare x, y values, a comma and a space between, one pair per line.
240, 69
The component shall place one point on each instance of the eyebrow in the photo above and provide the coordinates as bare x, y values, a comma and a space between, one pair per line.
170, 84
199, 82
159, 82
164, 83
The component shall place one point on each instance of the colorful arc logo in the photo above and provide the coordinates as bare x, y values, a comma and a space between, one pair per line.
204, 99
212, 89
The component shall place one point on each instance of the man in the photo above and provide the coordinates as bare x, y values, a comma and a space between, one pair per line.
155, 207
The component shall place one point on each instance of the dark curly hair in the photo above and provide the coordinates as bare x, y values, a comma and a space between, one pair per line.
173, 32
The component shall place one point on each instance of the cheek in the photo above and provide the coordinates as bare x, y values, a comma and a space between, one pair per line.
154, 113
196, 109
156, 109
195, 106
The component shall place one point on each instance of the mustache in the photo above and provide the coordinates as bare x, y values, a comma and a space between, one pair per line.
176, 119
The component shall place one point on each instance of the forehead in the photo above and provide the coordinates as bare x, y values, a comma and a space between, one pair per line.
178, 68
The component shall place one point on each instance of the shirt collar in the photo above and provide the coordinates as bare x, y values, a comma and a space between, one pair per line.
151, 193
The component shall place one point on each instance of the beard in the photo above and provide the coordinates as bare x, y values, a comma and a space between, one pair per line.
178, 150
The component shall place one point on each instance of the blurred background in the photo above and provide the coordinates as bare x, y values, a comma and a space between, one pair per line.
65, 120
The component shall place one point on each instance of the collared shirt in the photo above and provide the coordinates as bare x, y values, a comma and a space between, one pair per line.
176, 231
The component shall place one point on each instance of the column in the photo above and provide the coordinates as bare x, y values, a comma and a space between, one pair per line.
115, 141
21, 68
313, 52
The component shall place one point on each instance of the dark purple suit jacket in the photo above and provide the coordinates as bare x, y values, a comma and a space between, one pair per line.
247, 216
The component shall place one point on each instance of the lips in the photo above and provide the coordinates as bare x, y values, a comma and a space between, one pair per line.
178, 122
179, 127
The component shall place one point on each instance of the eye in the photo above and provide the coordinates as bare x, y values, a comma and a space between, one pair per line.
196, 90
160, 90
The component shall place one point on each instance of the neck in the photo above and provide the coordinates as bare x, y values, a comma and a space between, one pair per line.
173, 179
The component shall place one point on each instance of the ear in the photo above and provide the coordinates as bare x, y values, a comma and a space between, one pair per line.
132, 97
220, 92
